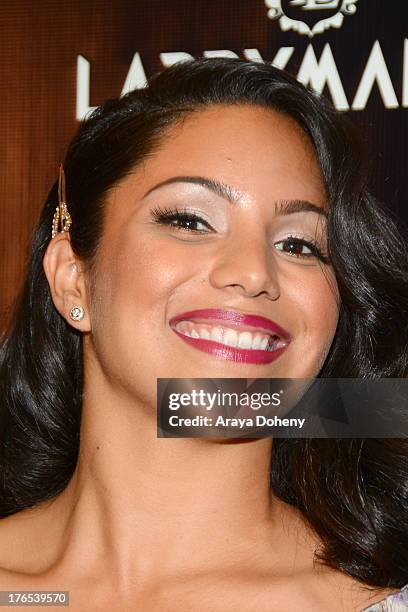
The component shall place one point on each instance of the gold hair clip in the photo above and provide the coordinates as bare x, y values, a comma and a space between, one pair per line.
61, 215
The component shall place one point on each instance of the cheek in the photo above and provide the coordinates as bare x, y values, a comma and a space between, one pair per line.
137, 281
315, 305
133, 288
142, 275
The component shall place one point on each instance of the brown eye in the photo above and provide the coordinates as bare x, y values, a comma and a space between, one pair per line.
181, 220
188, 222
298, 247
295, 247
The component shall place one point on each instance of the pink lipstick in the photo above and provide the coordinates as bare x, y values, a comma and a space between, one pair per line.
232, 335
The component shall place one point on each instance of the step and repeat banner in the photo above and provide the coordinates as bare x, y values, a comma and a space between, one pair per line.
60, 59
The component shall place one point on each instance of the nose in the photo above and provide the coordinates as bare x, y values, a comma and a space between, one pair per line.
245, 264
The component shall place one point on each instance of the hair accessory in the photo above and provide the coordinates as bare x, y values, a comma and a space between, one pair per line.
77, 313
61, 215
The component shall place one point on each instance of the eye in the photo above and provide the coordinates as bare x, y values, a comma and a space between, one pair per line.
181, 220
299, 247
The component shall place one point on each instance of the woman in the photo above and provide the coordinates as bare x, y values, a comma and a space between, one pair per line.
225, 186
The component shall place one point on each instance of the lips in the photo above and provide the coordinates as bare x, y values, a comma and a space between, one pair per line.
232, 335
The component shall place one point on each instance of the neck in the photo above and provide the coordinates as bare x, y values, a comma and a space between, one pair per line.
149, 505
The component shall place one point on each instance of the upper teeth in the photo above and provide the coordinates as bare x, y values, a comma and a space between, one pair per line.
230, 337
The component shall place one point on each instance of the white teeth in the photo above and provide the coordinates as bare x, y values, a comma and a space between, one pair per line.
230, 337
216, 334
245, 340
264, 343
256, 341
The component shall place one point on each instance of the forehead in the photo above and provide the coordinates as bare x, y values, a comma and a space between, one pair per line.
219, 119
260, 152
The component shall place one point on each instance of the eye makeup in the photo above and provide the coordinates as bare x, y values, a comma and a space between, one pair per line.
182, 219
297, 243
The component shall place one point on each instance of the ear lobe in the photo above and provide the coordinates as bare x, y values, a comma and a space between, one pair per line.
66, 280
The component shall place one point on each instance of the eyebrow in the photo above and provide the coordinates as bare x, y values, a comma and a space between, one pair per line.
217, 187
289, 207
232, 195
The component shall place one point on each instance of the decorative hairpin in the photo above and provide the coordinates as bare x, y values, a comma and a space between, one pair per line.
61, 216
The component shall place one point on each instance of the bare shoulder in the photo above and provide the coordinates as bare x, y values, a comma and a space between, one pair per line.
332, 590
27, 541
13, 581
262, 594
212, 592
30, 544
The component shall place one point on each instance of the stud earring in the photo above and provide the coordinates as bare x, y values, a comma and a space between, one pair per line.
77, 313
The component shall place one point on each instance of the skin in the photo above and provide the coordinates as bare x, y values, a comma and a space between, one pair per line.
151, 523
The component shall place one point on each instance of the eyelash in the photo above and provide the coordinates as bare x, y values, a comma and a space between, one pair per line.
164, 216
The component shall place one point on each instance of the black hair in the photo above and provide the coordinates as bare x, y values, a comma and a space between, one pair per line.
353, 493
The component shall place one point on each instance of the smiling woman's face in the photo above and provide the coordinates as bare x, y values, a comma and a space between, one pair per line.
250, 176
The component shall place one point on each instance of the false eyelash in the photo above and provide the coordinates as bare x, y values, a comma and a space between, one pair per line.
163, 215
311, 244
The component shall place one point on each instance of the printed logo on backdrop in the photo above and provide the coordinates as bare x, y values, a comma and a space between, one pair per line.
310, 17
319, 71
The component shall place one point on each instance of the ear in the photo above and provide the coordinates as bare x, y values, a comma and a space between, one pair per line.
66, 278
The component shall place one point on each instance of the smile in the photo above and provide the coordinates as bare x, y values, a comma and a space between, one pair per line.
232, 335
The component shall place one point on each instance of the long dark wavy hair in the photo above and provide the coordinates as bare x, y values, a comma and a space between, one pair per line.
352, 492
